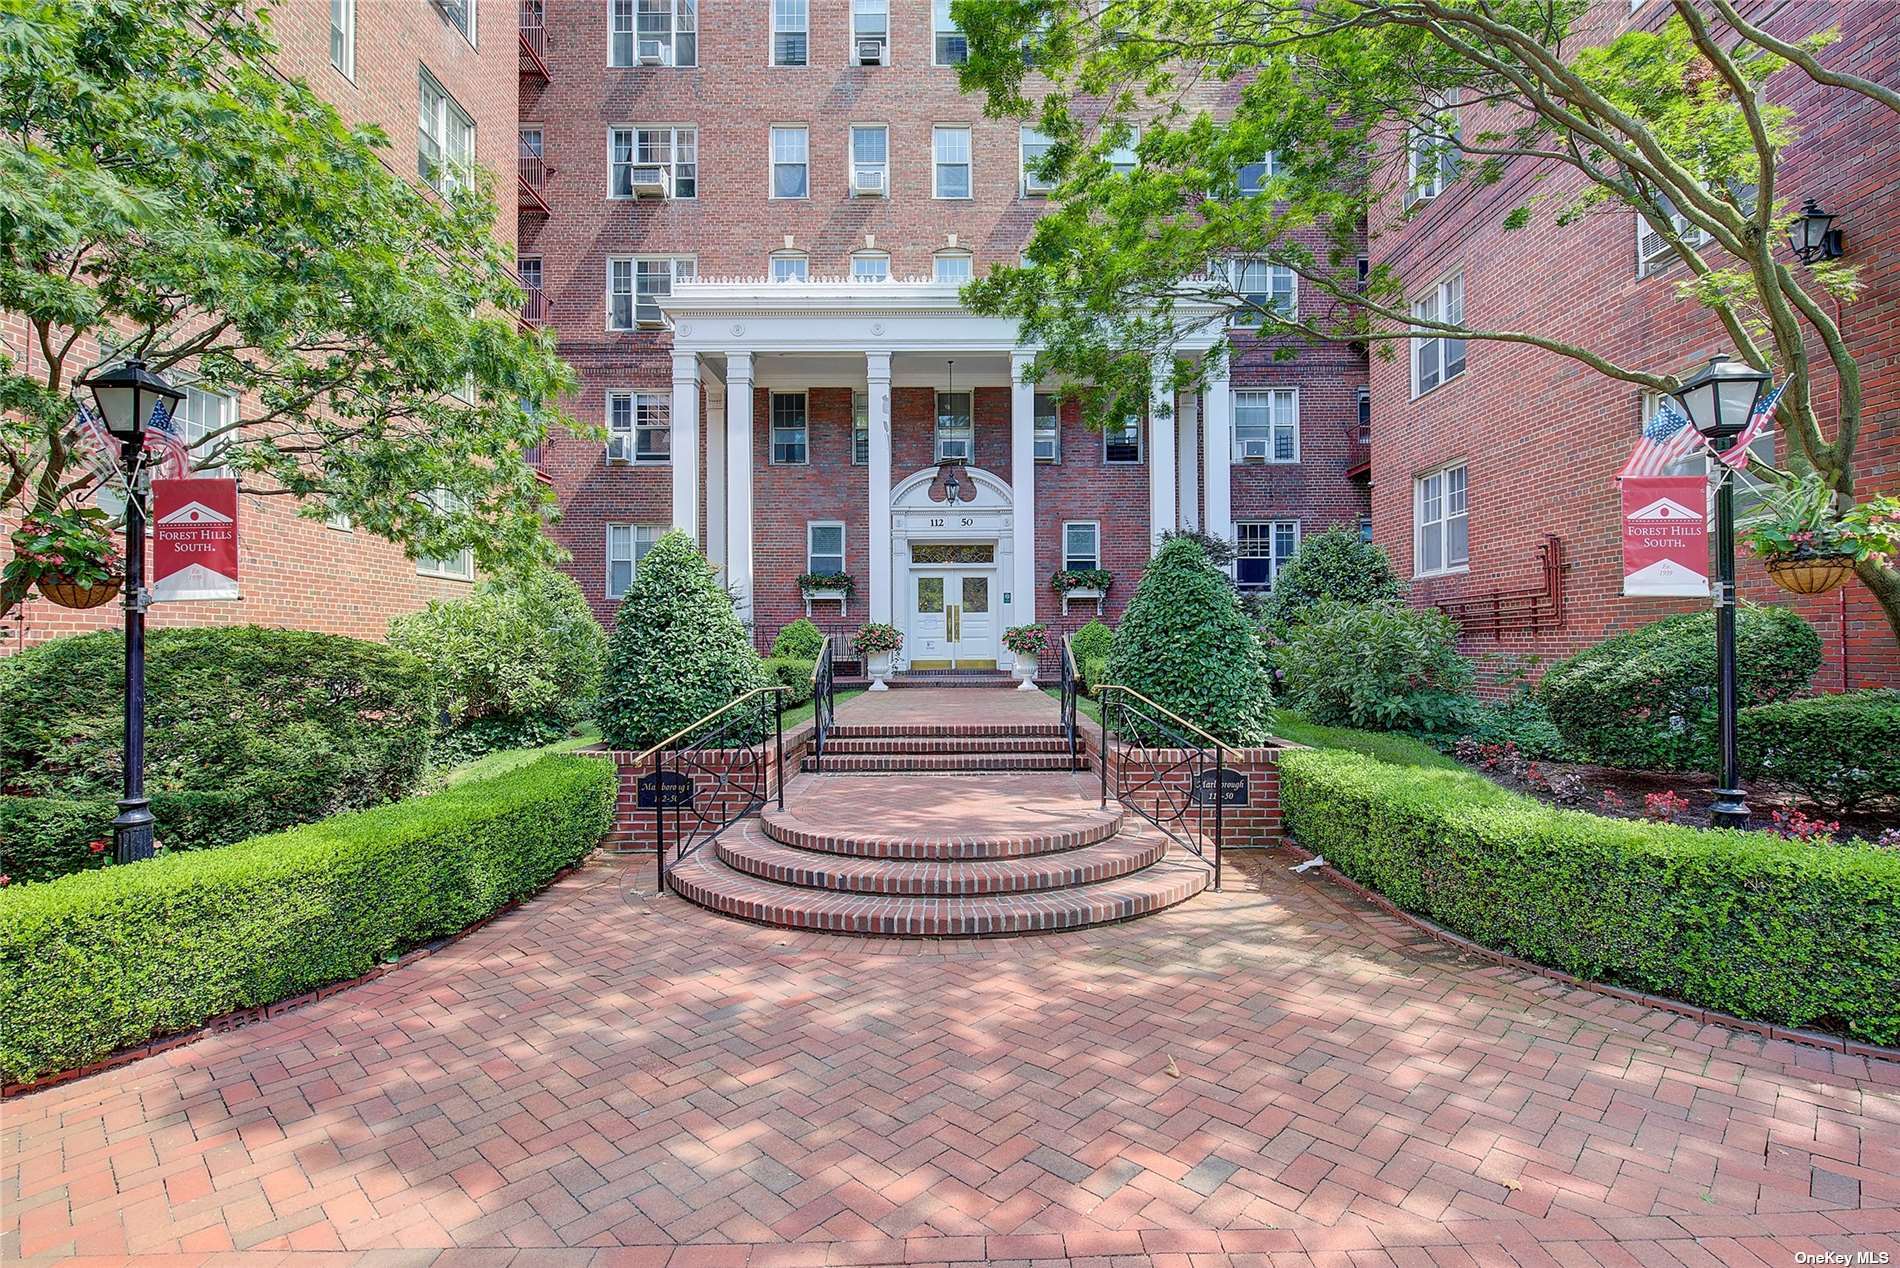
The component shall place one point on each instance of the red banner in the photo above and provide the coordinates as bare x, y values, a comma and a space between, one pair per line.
194, 540
1665, 536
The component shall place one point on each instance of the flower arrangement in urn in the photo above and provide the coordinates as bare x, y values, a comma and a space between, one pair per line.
1027, 643
69, 555
1810, 547
877, 643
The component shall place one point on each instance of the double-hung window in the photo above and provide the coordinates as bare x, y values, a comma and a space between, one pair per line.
1441, 532
461, 16
791, 162
445, 138
1121, 442
870, 32
1438, 359
1267, 425
675, 151
1048, 428
1261, 549
956, 428
1431, 155
860, 429
343, 37
1035, 147
1266, 287
952, 47
459, 566
871, 266
824, 547
653, 33
639, 427
790, 436
1254, 176
791, 32
1081, 546
790, 266
627, 545
637, 284
1362, 398
951, 148
1122, 159
870, 159
204, 424
950, 266
1653, 251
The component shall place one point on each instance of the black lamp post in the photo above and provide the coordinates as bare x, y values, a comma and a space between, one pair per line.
1718, 401
1814, 237
127, 395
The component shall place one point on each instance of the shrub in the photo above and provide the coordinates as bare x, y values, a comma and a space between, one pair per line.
801, 640
1378, 666
793, 673
93, 963
1837, 750
1401, 750
1645, 699
1184, 643
1742, 922
1521, 720
1336, 564
1090, 646
678, 651
1094, 673
516, 664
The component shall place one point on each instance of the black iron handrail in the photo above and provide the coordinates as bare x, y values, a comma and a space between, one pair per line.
1069, 681
1177, 777
822, 703
705, 796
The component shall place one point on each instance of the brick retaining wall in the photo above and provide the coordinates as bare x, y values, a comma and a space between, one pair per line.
633, 829
1256, 826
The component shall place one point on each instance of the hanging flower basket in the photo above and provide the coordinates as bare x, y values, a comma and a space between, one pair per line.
72, 594
1810, 572
68, 556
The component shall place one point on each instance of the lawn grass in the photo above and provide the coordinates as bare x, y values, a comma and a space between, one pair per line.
804, 711
504, 760
1400, 750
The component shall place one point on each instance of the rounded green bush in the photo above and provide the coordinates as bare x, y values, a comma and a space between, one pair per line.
794, 674
1185, 644
1838, 750
1336, 564
1090, 646
800, 640
678, 651
1379, 667
1645, 699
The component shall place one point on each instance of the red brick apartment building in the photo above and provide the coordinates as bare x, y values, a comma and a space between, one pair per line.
1524, 446
404, 65
748, 224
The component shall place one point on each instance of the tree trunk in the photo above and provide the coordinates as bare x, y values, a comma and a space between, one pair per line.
1884, 583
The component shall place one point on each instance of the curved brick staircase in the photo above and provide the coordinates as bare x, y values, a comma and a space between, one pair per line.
964, 830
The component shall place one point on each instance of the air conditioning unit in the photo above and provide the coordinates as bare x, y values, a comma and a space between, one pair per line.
1253, 451
647, 180
620, 448
1046, 450
1033, 184
867, 180
652, 53
871, 51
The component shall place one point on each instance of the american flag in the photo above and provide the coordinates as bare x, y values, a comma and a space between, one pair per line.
1736, 455
101, 449
163, 438
1667, 437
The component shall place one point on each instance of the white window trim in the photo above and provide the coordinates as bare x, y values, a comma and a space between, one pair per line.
771, 426
1448, 569
1418, 342
1096, 527
671, 165
469, 33
1417, 189
851, 157
1269, 392
1141, 446
633, 262
771, 162
633, 561
1054, 459
870, 255
1023, 187
969, 163
844, 544
671, 42
1270, 163
450, 176
459, 568
952, 29
936, 425
631, 455
860, 422
952, 253
1650, 263
347, 67
773, 31
1235, 270
787, 254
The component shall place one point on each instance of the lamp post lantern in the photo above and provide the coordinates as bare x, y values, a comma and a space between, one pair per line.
126, 396
1719, 400
1814, 237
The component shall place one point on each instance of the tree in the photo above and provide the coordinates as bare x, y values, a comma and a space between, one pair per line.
1336, 564
1354, 97
165, 193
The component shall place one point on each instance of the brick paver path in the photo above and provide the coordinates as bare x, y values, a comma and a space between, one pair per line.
1256, 1077
950, 706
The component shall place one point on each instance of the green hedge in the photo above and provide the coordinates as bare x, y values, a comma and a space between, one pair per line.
1839, 749
93, 963
794, 673
1741, 922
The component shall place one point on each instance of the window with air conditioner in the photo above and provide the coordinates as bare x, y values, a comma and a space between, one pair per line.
1437, 359
791, 435
653, 162
627, 545
639, 427
1261, 549
637, 284
1267, 425
653, 33
951, 46
1653, 252
791, 162
1048, 428
870, 32
1441, 532
445, 138
791, 32
870, 160
1121, 442
956, 428
951, 152
1034, 147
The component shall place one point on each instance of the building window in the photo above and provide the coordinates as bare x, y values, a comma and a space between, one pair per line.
1034, 147
951, 266
675, 151
1122, 443
203, 419
789, 434
956, 428
791, 166
1653, 251
1254, 176
1081, 545
1364, 400
791, 32
343, 37
1122, 159
860, 429
1048, 428
1441, 533
952, 47
870, 160
870, 32
528, 268
459, 566
1261, 549
1365, 528
1266, 287
1431, 156
654, 33
627, 545
790, 266
340, 521
639, 427
951, 146
824, 547
1267, 426
637, 284
1436, 359
461, 16
871, 266
445, 138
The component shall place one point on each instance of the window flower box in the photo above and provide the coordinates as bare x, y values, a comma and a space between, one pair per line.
818, 587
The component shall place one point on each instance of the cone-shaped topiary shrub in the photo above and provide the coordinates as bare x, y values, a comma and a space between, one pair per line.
1184, 643
1336, 564
678, 651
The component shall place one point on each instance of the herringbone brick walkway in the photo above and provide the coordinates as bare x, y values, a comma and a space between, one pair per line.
1276, 1074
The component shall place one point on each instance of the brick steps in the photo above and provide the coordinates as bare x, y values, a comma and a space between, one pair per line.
901, 744
942, 842
751, 851
934, 731
899, 763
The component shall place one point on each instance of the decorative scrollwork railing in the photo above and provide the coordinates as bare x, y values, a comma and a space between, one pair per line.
708, 775
823, 705
1165, 769
1070, 682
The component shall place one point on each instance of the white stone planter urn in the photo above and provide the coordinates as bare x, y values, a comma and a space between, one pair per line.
878, 665
1026, 668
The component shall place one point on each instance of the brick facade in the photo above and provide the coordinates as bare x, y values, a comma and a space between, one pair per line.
1544, 437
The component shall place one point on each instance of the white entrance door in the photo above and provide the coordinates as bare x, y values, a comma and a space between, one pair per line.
953, 620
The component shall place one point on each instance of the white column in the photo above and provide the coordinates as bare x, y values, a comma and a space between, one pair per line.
716, 474
739, 479
1161, 464
685, 442
877, 398
1217, 432
1188, 451
1022, 488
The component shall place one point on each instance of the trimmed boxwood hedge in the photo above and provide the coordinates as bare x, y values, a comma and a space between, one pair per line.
1742, 922
1838, 749
103, 960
